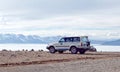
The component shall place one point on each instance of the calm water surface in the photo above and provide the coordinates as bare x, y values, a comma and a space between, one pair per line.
36, 47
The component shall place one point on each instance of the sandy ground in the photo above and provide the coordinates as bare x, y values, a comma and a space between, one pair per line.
21, 61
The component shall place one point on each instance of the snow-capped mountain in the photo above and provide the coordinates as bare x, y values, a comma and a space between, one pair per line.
19, 38
35, 39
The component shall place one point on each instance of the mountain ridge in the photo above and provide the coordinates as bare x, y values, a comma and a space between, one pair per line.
19, 38
115, 42
35, 39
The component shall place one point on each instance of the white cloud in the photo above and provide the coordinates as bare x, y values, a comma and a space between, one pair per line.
78, 17
66, 25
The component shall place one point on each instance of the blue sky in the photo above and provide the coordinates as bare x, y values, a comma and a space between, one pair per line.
61, 17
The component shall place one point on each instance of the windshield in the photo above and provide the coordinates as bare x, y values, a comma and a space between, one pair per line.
84, 39
62, 40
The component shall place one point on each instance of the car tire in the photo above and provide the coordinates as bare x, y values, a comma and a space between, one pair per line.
60, 51
52, 50
73, 50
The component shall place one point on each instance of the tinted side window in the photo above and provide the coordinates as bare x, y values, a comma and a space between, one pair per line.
68, 39
76, 39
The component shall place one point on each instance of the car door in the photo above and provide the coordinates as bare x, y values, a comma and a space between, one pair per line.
62, 44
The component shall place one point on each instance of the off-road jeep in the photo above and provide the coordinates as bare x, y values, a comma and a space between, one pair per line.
74, 44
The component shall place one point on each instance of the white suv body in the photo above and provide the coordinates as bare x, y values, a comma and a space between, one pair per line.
73, 44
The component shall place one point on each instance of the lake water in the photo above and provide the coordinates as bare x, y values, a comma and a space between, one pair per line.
15, 47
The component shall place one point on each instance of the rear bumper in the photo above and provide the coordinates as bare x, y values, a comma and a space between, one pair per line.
90, 48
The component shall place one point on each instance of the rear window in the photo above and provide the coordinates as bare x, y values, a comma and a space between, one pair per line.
84, 39
76, 39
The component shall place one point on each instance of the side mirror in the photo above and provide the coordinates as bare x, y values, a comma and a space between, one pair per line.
61, 42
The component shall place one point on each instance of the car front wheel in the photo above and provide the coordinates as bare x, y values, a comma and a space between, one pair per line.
52, 50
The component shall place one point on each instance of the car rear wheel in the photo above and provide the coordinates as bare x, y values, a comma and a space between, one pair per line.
73, 50
52, 50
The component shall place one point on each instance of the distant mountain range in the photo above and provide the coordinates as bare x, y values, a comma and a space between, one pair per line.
19, 38
116, 42
97, 41
35, 39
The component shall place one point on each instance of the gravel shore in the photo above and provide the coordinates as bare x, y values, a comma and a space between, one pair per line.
46, 62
